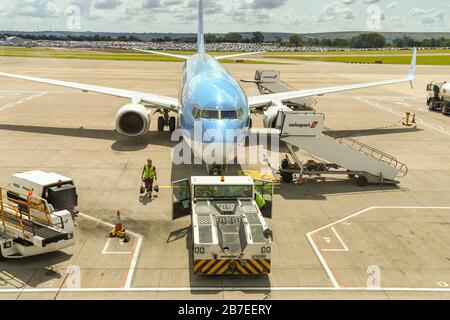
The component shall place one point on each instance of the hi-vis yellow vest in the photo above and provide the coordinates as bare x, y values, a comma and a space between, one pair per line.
260, 201
149, 172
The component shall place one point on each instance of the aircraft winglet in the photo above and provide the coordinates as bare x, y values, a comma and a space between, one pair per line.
412, 68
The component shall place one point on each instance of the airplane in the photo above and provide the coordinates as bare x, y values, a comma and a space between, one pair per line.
209, 97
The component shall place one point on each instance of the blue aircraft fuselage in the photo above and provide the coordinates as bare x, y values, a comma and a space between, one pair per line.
206, 85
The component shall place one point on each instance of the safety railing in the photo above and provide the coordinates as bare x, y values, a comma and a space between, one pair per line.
369, 151
35, 209
10, 216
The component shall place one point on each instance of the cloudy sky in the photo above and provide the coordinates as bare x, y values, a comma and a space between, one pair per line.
225, 15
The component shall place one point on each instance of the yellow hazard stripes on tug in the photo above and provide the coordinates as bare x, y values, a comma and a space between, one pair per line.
232, 267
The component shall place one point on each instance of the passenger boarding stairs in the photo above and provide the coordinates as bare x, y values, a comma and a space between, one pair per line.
30, 221
306, 131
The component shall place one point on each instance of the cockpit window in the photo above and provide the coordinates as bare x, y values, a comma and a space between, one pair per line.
210, 114
240, 113
229, 115
196, 113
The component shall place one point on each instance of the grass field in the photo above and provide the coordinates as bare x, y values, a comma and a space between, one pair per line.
421, 60
359, 52
110, 54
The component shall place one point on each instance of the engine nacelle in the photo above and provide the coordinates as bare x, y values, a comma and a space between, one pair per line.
133, 120
271, 115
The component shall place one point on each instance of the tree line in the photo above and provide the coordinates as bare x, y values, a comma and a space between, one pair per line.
366, 41
97, 37
362, 41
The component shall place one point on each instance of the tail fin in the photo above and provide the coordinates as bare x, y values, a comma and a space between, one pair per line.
201, 36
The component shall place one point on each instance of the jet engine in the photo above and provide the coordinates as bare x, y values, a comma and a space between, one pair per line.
133, 120
271, 115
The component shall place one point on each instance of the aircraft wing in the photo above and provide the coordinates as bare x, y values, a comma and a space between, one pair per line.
264, 100
172, 104
160, 53
237, 55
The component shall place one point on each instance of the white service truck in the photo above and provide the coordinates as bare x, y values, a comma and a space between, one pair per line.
438, 96
59, 191
229, 232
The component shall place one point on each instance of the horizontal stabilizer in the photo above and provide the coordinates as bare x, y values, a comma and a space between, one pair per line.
160, 53
238, 55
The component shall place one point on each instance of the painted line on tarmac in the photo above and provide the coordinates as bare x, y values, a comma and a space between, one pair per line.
21, 101
344, 246
106, 252
228, 289
136, 250
133, 264
402, 115
318, 253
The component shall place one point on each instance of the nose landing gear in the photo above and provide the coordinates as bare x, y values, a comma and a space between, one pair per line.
166, 121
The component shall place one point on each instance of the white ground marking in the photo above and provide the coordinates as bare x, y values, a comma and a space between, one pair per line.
135, 252
322, 260
33, 95
105, 249
227, 289
402, 115
344, 247
134, 262
232, 289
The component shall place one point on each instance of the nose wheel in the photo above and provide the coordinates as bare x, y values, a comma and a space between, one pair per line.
172, 124
166, 121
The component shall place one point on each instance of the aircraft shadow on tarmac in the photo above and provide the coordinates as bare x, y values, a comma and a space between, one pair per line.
121, 143
31, 271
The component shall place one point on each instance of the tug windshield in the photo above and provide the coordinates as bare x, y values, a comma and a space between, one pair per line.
223, 192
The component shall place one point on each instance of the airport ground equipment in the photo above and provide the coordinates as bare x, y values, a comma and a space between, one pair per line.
347, 156
57, 190
438, 96
32, 227
119, 231
229, 233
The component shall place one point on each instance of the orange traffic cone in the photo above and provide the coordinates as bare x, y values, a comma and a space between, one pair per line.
118, 230
118, 226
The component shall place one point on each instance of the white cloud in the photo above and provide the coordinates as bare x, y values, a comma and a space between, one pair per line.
36, 8
392, 5
107, 4
336, 11
428, 16
224, 15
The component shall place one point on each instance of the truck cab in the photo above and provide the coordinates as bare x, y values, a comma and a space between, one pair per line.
229, 232
59, 191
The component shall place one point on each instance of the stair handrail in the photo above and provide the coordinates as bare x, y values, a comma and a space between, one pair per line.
370, 151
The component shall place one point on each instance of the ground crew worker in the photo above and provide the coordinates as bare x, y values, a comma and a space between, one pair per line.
260, 200
149, 176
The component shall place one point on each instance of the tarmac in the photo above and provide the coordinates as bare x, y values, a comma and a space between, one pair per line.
332, 239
